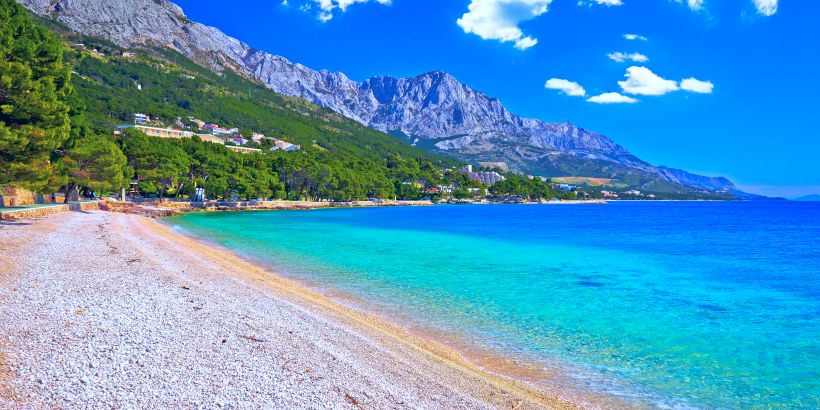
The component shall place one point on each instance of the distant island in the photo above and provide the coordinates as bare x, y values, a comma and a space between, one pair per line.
808, 198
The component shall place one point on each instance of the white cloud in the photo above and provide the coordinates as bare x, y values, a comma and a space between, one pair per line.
608, 3
328, 7
696, 86
612, 98
766, 7
635, 37
499, 19
567, 87
622, 57
693, 4
642, 81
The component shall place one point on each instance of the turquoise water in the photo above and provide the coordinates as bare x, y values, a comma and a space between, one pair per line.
680, 304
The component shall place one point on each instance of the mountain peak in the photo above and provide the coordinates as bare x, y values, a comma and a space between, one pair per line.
433, 106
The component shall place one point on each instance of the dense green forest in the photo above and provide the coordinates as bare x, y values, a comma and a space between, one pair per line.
62, 138
169, 90
45, 142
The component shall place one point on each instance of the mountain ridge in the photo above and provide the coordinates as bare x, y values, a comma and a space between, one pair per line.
433, 109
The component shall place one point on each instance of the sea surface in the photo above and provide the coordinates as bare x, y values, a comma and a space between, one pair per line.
674, 304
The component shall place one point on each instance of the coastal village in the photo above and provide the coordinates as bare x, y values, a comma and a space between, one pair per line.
229, 137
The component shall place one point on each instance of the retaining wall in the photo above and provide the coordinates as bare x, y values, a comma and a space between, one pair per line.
41, 211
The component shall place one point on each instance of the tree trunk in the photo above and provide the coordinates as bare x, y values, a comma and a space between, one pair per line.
71, 193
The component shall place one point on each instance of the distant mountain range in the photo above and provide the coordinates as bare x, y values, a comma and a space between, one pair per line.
808, 198
433, 110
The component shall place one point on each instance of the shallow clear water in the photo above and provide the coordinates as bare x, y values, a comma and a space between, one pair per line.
684, 304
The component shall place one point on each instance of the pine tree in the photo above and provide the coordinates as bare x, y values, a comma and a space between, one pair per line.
96, 163
34, 89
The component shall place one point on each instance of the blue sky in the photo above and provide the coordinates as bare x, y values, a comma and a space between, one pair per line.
720, 87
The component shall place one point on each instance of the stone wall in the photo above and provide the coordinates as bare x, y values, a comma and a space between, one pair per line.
41, 211
21, 197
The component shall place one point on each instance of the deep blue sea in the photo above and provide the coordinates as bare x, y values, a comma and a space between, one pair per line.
678, 304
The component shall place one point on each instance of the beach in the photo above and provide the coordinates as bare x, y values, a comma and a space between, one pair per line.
105, 309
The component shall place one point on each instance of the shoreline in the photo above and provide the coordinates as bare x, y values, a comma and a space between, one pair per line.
98, 291
160, 209
426, 342
534, 381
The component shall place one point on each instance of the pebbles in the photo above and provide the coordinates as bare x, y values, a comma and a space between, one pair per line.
97, 313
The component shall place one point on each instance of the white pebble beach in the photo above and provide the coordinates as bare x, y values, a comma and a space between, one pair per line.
107, 310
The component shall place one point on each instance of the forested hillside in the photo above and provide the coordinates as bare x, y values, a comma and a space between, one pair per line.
57, 132
172, 86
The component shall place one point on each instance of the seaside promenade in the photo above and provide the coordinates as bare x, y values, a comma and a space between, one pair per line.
104, 309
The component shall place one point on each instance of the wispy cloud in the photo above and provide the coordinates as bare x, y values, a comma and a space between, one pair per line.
328, 8
567, 87
632, 37
764, 7
499, 19
608, 3
693, 4
623, 57
612, 98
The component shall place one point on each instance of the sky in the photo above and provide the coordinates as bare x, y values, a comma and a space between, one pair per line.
718, 87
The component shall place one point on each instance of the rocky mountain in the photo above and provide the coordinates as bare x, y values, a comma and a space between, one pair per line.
433, 110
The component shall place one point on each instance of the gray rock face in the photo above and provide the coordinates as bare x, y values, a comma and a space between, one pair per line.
433, 109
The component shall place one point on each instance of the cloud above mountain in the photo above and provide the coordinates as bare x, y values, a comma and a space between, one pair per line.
567, 87
499, 20
642, 81
327, 8
612, 98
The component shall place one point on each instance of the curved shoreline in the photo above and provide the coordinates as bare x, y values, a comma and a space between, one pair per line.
117, 309
271, 281
503, 372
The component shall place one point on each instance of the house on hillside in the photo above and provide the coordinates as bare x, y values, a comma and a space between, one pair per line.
160, 132
564, 187
141, 118
284, 145
486, 178
199, 123
217, 130
177, 133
